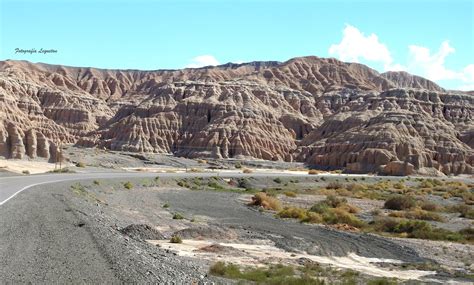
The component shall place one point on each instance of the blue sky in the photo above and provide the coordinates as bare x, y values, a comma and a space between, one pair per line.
433, 38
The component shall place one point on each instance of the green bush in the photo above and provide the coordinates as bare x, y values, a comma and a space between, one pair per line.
330, 202
277, 180
416, 229
400, 203
382, 281
128, 185
275, 274
96, 182
176, 239
312, 218
341, 216
25, 172
293, 213
166, 205
178, 216
215, 185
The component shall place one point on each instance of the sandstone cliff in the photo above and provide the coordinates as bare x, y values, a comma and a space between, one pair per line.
322, 111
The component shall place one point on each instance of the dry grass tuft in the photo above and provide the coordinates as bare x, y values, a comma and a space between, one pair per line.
267, 202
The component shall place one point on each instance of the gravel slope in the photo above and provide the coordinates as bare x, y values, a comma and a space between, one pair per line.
49, 236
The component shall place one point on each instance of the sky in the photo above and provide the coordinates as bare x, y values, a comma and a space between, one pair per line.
433, 39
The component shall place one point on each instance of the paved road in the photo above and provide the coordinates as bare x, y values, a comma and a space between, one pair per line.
11, 186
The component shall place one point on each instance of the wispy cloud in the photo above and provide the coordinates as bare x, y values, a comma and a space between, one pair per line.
202, 60
356, 47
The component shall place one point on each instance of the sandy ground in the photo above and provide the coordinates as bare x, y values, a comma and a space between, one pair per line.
33, 166
251, 254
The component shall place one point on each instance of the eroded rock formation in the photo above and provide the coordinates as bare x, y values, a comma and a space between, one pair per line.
322, 111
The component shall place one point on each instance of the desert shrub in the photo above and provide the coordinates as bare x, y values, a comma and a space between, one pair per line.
25, 172
80, 164
177, 216
244, 183
417, 214
176, 239
96, 182
334, 185
313, 171
166, 205
468, 198
464, 210
128, 185
238, 165
215, 185
265, 201
201, 161
246, 170
354, 187
341, 216
183, 183
343, 192
382, 281
350, 208
320, 208
400, 203
277, 180
330, 202
274, 274
468, 234
429, 206
455, 188
290, 194
415, 229
334, 201
399, 185
313, 218
293, 213
381, 185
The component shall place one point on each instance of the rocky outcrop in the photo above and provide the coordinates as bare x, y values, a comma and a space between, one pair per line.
327, 113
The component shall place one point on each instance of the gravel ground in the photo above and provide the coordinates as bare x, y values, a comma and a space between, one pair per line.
61, 235
50, 235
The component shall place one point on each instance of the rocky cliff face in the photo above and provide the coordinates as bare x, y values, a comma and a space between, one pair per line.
321, 111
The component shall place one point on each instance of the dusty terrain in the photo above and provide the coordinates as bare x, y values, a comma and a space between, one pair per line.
131, 222
327, 113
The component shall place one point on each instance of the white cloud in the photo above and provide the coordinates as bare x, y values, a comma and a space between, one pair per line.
432, 66
355, 46
202, 60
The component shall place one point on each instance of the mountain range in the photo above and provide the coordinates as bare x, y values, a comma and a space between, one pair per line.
321, 111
